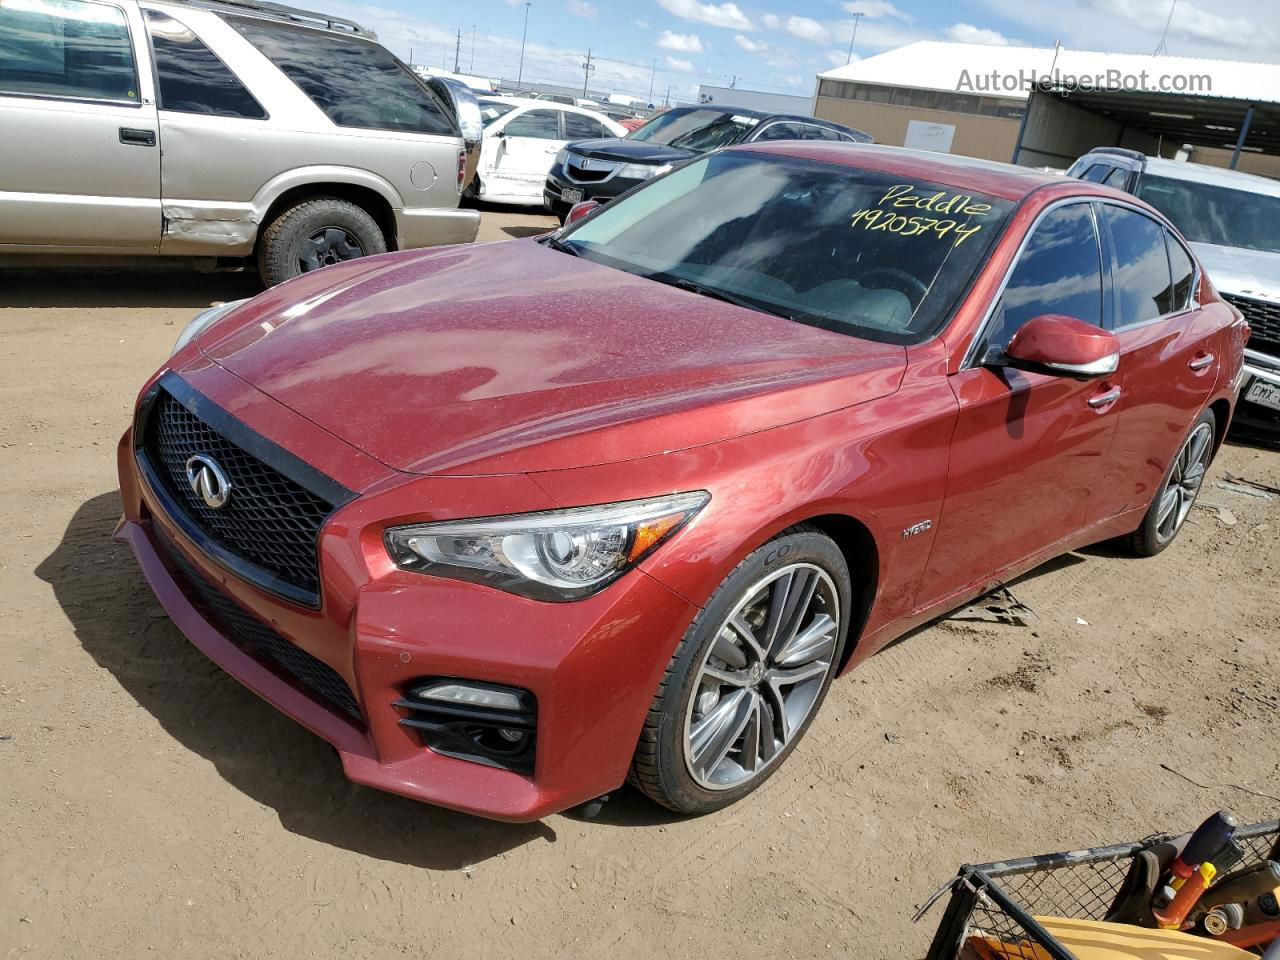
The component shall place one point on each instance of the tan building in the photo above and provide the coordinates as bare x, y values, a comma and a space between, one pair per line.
1043, 107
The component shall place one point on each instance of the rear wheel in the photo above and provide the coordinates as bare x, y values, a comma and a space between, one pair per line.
315, 234
1178, 490
748, 677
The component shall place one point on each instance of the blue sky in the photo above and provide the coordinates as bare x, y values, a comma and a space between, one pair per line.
781, 46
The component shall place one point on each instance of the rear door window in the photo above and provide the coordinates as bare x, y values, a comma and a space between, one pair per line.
192, 78
781, 131
539, 124
1141, 278
1184, 272
356, 82
1059, 271
579, 127
66, 48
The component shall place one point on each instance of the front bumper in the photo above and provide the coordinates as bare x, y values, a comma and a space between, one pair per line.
593, 665
1253, 419
435, 227
601, 191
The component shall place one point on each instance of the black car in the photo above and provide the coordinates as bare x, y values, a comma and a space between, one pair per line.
603, 169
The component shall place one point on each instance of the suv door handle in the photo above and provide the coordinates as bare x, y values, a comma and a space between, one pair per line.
1199, 363
1105, 399
137, 138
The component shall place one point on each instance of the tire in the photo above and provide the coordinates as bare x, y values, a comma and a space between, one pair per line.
348, 232
1194, 454
671, 764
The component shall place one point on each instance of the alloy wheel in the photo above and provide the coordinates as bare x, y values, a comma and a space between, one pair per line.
1184, 482
327, 245
762, 676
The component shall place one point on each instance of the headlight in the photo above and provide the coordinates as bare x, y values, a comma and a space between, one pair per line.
557, 555
562, 156
641, 171
202, 320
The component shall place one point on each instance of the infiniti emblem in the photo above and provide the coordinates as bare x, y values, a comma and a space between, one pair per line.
208, 482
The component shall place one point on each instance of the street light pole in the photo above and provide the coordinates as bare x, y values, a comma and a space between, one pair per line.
520, 72
653, 76
856, 17
587, 70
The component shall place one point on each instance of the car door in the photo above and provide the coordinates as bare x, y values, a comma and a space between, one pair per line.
524, 153
1167, 346
1027, 456
79, 143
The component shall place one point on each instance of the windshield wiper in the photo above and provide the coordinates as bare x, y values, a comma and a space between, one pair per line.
716, 294
555, 243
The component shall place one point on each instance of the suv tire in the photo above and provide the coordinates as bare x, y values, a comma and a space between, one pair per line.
314, 233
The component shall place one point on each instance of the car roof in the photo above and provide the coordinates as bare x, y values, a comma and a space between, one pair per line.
1217, 176
1002, 180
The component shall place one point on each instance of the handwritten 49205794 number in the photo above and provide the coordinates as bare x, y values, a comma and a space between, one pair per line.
946, 207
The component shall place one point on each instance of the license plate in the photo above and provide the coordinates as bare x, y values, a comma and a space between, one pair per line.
571, 195
1265, 393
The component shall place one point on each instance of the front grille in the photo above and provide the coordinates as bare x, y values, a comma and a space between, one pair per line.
269, 521
594, 172
256, 638
1263, 319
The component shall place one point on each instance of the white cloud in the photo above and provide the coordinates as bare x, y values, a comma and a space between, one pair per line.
793, 80
680, 42
674, 63
726, 15
771, 21
806, 28
838, 58
580, 8
749, 45
875, 9
968, 33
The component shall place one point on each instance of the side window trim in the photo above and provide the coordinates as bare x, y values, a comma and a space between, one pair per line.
971, 358
1111, 265
140, 102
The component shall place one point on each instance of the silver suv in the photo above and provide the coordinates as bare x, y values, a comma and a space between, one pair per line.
228, 130
1231, 220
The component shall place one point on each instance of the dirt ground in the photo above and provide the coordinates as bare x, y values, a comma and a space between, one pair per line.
150, 806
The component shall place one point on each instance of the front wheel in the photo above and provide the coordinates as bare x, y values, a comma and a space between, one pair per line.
1178, 490
314, 234
748, 677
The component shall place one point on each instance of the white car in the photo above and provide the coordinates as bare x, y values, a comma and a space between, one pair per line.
520, 143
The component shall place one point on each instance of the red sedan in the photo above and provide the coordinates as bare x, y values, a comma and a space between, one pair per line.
510, 524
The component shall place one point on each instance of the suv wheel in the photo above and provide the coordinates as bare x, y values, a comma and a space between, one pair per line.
314, 234
748, 677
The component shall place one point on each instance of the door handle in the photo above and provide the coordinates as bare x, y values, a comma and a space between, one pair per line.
137, 138
1105, 399
1199, 363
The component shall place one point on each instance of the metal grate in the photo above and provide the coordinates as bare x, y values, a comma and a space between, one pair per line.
585, 170
1263, 319
270, 520
255, 637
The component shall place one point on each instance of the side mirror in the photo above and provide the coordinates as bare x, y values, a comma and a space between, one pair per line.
465, 108
1063, 347
580, 210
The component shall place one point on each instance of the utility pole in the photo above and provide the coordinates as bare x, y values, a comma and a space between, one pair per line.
1162, 47
734, 82
411, 56
653, 76
856, 18
472, 67
457, 53
666, 101
520, 72
588, 68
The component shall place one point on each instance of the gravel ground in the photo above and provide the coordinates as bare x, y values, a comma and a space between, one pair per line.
149, 805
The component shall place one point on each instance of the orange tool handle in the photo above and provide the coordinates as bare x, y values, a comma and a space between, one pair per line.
1254, 936
1172, 916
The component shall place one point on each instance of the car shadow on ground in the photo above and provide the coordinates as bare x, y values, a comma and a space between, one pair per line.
161, 285
254, 748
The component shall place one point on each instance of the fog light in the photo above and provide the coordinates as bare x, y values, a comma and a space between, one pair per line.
497, 698
511, 736
472, 720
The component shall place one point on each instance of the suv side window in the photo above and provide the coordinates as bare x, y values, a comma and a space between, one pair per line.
356, 82
1118, 178
579, 127
539, 124
1059, 271
66, 48
192, 78
781, 131
1184, 272
1144, 289
1097, 173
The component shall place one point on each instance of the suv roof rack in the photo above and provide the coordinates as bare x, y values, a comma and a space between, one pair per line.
280, 11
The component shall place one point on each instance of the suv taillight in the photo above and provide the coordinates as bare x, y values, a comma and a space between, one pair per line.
462, 168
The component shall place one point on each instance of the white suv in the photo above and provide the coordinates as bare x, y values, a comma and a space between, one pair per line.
221, 130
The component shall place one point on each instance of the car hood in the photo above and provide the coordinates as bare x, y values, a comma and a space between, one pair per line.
1241, 272
512, 357
630, 151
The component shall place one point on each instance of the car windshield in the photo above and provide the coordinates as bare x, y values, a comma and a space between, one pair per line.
855, 251
1207, 213
694, 128
491, 110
